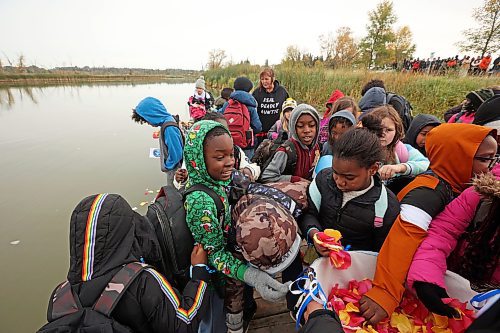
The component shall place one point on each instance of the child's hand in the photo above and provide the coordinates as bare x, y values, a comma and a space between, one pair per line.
181, 175
388, 171
199, 255
311, 307
247, 172
371, 310
323, 251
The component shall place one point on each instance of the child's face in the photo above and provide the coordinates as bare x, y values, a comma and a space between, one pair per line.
199, 91
306, 129
350, 176
389, 131
485, 153
420, 140
219, 157
338, 130
287, 114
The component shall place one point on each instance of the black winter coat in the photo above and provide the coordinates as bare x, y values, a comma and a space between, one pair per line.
355, 220
149, 304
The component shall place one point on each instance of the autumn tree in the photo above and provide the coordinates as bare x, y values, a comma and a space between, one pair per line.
293, 55
380, 34
345, 48
341, 49
402, 46
215, 58
486, 37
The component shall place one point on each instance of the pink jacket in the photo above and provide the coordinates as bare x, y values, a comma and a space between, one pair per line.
429, 262
467, 118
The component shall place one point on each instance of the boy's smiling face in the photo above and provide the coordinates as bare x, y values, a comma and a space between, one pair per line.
219, 157
306, 129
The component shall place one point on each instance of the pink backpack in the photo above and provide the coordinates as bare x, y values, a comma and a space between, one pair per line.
401, 152
196, 108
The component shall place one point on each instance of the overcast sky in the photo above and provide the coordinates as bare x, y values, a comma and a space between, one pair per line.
180, 33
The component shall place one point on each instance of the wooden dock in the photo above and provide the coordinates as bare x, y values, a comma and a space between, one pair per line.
271, 317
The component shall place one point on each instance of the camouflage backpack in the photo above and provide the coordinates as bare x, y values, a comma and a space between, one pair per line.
66, 314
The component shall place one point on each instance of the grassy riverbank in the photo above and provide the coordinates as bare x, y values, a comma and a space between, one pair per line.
9, 80
426, 93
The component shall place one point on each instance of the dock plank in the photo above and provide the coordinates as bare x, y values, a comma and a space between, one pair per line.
277, 323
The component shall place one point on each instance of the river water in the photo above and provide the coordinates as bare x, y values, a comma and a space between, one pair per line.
57, 146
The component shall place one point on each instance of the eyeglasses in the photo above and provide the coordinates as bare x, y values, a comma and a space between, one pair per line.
492, 160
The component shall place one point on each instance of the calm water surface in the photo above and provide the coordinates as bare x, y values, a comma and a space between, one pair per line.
57, 146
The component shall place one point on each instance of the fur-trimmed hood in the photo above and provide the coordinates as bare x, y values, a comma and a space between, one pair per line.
488, 184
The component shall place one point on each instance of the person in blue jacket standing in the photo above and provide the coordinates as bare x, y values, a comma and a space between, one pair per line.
150, 110
242, 86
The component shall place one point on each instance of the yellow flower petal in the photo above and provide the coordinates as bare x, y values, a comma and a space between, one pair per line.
440, 321
367, 329
351, 308
344, 317
333, 233
436, 329
401, 322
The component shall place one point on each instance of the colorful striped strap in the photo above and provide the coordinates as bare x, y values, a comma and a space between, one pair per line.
183, 314
90, 231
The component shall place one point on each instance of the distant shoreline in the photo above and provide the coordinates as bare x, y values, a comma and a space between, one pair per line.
22, 79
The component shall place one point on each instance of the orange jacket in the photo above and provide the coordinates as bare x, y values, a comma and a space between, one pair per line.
485, 62
451, 156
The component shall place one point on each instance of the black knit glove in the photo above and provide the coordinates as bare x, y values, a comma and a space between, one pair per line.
431, 295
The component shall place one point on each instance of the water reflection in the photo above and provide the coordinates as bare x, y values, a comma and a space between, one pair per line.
9, 95
58, 145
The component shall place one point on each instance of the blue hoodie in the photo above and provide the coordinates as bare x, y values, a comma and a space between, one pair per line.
247, 99
155, 113
374, 97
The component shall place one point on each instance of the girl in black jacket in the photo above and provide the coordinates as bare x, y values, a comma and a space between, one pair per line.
350, 197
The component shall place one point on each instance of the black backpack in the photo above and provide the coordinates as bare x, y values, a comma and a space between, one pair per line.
168, 218
268, 149
402, 106
66, 314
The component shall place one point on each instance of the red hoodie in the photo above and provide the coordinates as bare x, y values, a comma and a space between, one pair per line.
336, 94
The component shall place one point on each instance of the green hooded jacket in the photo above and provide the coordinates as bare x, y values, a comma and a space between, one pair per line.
201, 212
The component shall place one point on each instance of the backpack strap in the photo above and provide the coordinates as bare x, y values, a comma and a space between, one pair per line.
115, 289
62, 302
215, 197
237, 157
291, 153
381, 206
388, 97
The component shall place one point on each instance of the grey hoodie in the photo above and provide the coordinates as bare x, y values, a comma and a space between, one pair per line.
274, 171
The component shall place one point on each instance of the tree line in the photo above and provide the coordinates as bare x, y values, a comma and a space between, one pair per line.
384, 44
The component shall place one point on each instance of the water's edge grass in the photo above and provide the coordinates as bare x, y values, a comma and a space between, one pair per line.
427, 93
16, 80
